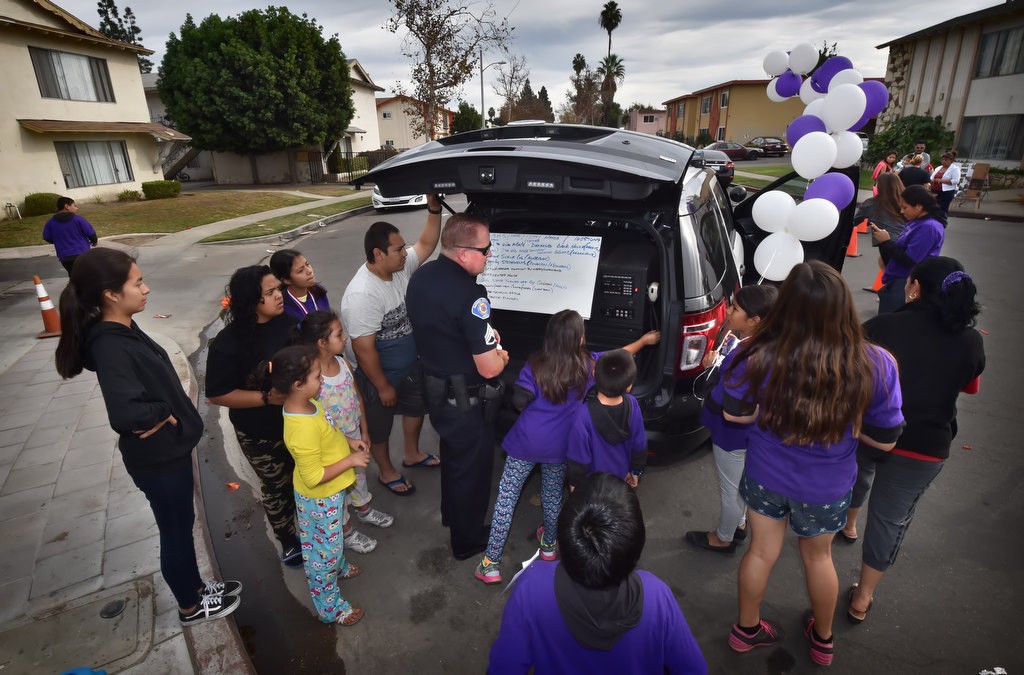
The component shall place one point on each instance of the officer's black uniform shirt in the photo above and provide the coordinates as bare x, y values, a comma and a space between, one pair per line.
450, 316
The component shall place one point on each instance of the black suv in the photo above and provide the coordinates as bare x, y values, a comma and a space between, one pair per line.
629, 229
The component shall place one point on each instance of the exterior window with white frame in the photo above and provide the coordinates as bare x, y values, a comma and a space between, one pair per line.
387, 115
680, 109
725, 100
86, 163
705, 105
721, 134
71, 77
648, 119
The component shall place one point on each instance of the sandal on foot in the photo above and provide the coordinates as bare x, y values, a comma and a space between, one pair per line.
428, 462
410, 488
847, 538
849, 612
354, 571
352, 618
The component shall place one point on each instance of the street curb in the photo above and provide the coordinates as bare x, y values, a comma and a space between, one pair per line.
215, 646
289, 235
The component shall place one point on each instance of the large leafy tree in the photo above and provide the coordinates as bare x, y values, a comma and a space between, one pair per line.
445, 40
466, 118
123, 28
583, 100
262, 81
611, 17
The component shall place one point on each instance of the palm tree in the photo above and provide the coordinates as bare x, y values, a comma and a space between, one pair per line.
611, 17
578, 64
611, 70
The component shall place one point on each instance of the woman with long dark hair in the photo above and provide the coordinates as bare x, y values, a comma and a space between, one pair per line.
940, 354
921, 238
811, 389
257, 327
299, 287
156, 422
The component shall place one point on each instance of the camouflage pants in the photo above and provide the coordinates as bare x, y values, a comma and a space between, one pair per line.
274, 466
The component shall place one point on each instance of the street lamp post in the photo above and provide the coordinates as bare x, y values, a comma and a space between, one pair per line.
483, 115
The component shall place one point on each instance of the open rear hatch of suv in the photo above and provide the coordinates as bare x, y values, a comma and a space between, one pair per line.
581, 218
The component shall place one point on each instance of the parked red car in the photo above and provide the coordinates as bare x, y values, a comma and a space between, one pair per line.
769, 145
735, 150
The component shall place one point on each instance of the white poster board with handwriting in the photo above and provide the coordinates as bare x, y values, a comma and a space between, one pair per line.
543, 273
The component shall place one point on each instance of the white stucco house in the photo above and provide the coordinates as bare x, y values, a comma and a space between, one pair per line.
969, 70
74, 119
396, 123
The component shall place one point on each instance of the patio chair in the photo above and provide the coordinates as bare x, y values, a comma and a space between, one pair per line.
977, 186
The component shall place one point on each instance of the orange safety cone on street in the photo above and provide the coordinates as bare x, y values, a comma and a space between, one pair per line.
851, 249
862, 227
51, 319
877, 286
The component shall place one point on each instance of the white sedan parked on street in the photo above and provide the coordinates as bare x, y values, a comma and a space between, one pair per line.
382, 202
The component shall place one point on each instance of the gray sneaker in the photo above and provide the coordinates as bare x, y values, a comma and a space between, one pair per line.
359, 542
375, 517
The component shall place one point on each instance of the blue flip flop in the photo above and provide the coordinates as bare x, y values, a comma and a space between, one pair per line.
398, 481
424, 463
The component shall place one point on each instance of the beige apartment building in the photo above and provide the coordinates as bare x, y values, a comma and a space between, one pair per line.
75, 120
395, 122
738, 110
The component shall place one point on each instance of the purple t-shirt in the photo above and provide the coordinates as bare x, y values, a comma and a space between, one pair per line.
726, 435
589, 448
534, 634
817, 473
541, 432
920, 239
314, 302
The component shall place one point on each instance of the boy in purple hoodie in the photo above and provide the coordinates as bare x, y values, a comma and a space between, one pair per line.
608, 433
70, 233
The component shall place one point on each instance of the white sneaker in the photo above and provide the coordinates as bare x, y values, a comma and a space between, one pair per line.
359, 542
375, 517
213, 606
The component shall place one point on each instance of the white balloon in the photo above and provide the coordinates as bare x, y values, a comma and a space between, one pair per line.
773, 95
848, 76
813, 154
776, 256
848, 149
813, 219
807, 93
843, 107
803, 58
814, 107
775, 63
771, 210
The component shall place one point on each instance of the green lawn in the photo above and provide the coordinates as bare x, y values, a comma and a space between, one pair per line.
286, 223
158, 215
776, 171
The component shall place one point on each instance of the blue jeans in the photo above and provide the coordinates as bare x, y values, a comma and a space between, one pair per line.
170, 495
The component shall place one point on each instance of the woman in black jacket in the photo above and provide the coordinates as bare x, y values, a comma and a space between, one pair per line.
940, 354
157, 424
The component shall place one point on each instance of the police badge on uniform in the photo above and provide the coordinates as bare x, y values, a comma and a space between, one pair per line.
481, 308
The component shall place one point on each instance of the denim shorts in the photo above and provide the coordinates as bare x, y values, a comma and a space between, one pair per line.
807, 520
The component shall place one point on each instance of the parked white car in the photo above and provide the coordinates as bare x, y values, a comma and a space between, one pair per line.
382, 202
863, 140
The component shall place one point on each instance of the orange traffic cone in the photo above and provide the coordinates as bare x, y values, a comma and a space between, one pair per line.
862, 227
851, 249
51, 320
877, 286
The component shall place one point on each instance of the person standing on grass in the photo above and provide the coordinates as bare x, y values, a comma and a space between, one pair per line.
70, 233
156, 422
388, 372
257, 328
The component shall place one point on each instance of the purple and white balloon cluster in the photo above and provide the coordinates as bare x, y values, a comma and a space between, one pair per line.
839, 102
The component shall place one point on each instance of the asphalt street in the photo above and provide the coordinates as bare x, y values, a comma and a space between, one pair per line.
948, 606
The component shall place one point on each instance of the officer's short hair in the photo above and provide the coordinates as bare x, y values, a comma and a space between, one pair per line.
614, 372
459, 230
377, 237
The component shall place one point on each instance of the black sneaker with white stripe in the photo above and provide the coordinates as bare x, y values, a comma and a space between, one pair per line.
226, 587
213, 606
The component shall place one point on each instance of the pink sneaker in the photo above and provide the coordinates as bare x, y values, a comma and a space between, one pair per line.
768, 633
821, 652
547, 551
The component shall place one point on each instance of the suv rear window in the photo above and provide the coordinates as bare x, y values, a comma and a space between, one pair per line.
709, 262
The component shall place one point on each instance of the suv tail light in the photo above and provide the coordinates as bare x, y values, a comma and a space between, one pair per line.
696, 334
730, 165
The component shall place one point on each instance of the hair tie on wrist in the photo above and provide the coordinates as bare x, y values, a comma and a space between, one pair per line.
954, 278
433, 212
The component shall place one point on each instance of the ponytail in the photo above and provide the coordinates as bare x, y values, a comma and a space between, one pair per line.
288, 366
949, 290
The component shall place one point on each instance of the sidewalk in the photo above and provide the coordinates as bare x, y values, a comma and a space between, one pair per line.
80, 536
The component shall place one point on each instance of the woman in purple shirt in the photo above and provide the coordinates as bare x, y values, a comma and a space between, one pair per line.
921, 238
550, 386
811, 390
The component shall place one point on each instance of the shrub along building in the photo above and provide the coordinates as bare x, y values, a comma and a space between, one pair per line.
75, 119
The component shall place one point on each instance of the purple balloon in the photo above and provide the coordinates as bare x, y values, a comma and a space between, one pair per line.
826, 71
802, 126
834, 187
877, 97
788, 84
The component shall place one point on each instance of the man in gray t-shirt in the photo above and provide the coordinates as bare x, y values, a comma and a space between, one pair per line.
387, 374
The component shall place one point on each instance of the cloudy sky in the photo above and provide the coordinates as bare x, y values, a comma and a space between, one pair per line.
670, 47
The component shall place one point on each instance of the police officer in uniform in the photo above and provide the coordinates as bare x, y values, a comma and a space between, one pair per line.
461, 359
